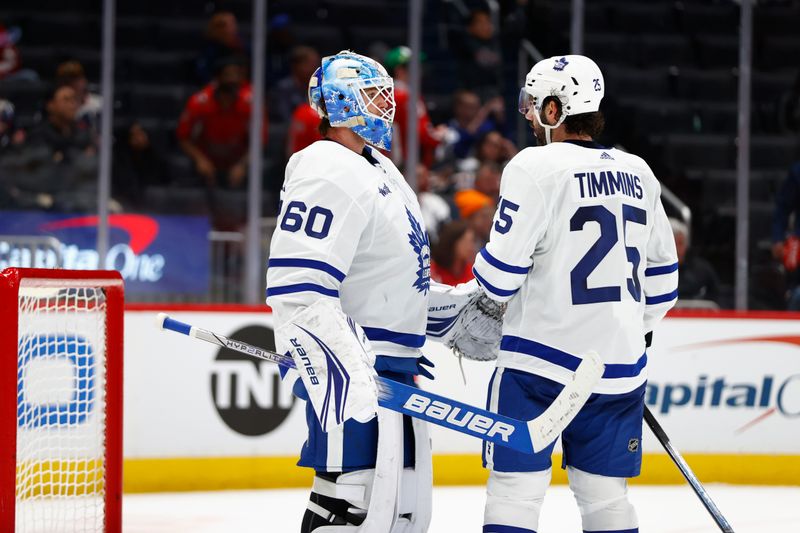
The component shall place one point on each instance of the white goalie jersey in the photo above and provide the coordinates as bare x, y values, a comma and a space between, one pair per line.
350, 229
584, 254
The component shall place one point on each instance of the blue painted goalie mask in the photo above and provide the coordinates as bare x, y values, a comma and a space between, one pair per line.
358, 94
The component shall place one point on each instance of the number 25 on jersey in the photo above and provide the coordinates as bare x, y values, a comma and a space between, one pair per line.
581, 292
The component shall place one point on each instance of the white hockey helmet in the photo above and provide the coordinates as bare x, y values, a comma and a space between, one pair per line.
575, 80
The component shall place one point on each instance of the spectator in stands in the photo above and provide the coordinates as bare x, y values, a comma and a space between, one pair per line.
396, 62
480, 57
292, 90
786, 241
11, 137
478, 210
9, 54
10, 60
303, 129
57, 166
697, 279
214, 127
452, 255
137, 165
472, 120
89, 104
487, 180
492, 147
435, 210
222, 40
66, 139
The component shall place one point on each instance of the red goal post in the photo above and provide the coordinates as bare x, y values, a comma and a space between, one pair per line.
61, 346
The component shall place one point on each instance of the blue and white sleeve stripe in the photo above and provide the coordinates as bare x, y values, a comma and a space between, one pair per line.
500, 265
289, 275
301, 287
497, 292
661, 283
500, 279
312, 264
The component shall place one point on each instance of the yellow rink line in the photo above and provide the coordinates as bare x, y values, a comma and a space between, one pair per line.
160, 475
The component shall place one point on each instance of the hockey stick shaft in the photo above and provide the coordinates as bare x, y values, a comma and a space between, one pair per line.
687, 472
524, 436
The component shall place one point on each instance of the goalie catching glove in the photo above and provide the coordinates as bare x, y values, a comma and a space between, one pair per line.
335, 362
464, 319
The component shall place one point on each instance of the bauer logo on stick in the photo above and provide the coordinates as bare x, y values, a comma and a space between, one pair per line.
438, 410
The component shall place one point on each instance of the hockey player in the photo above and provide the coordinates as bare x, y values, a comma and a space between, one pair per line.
351, 255
582, 251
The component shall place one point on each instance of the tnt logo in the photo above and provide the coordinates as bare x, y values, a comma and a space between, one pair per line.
247, 392
55, 381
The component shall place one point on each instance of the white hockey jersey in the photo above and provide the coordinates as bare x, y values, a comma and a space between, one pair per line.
584, 254
351, 229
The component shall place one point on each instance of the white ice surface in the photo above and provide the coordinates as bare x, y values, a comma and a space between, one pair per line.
661, 509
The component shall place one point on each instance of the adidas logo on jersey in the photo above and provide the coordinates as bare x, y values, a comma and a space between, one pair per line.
605, 155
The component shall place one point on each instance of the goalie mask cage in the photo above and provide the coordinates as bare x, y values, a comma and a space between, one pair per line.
61, 400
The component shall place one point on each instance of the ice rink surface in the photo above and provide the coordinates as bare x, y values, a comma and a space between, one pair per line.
662, 509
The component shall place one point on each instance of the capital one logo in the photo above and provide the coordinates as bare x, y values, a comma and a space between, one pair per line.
55, 381
247, 392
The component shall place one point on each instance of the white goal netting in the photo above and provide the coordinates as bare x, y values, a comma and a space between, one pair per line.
61, 414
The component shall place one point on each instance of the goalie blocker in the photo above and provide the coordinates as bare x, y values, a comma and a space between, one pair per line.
335, 362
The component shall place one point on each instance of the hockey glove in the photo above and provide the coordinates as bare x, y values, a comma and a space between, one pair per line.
479, 329
465, 319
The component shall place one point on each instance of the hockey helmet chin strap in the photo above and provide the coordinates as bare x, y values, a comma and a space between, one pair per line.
548, 128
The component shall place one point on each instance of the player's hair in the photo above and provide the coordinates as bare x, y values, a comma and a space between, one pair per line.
591, 124
324, 124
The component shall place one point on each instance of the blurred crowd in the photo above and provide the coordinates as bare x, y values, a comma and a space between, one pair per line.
51, 163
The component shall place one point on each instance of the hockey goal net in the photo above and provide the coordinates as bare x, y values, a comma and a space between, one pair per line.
61, 406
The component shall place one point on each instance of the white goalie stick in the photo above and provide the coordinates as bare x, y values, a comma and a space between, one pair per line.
683, 466
527, 436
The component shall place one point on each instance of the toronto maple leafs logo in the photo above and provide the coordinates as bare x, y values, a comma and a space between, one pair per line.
384, 190
418, 238
560, 64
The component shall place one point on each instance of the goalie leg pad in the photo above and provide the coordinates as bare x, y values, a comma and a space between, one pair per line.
416, 486
603, 501
325, 513
514, 499
370, 494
